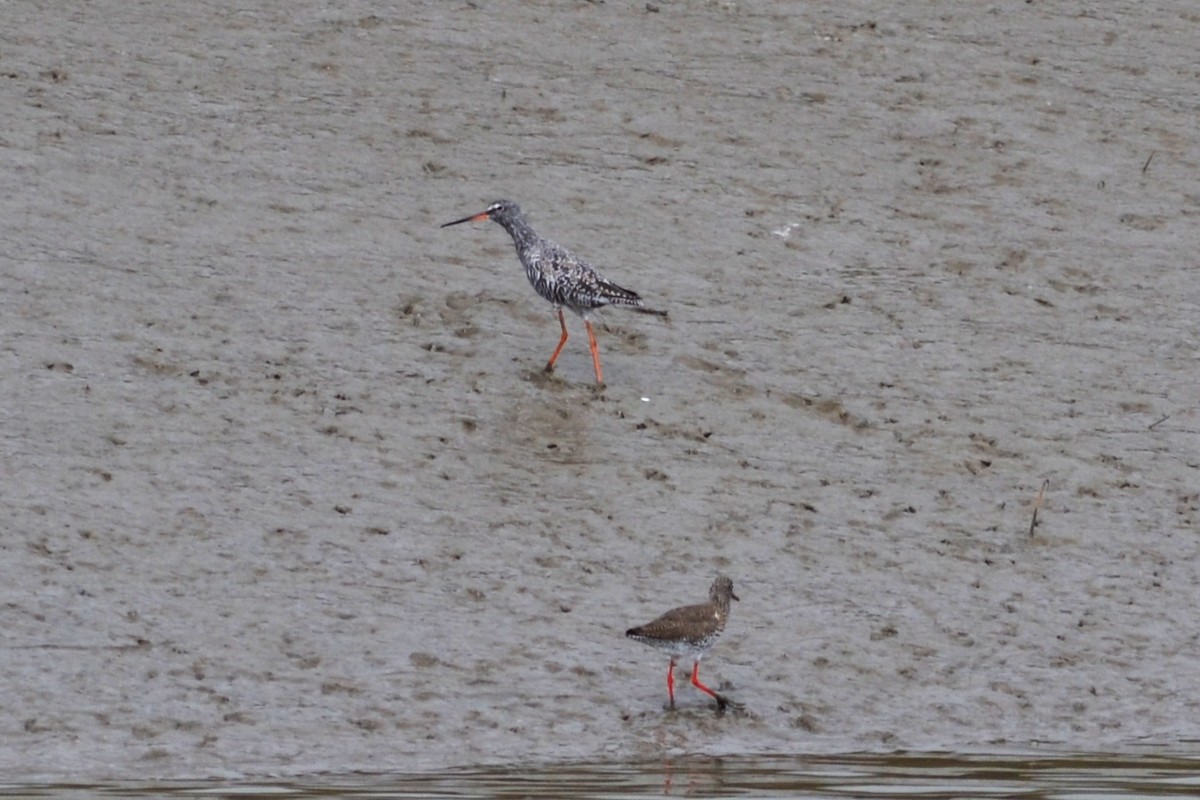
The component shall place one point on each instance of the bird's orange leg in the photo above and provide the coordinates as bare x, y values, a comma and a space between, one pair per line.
671, 682
561, 342
721, 701
696, 681
595, 352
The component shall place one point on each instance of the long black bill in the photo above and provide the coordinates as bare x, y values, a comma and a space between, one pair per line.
472, 218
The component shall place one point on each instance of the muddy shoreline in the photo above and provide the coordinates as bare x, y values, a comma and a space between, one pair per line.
288, 493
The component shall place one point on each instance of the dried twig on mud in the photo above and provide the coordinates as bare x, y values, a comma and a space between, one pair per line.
1037, 504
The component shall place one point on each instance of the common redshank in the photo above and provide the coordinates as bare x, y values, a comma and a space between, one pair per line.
559, 277
690, 632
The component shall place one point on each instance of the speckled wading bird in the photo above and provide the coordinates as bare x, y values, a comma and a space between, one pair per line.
560, 277
690, 632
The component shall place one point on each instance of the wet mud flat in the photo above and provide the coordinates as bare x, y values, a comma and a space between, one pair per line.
287, 491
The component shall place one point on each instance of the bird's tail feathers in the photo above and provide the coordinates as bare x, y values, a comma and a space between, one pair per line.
620, 296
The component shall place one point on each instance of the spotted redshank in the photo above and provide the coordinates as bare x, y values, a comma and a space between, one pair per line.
560, 277
690, 632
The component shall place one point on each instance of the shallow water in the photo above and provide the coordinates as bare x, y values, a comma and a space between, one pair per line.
929, 775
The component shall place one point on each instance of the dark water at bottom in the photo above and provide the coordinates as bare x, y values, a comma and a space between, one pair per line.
869, 776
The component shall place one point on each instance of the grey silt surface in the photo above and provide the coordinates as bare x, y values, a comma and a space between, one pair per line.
281, 497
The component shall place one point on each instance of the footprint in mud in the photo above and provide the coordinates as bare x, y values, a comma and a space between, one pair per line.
635, 340
410, 309
730, 379
456, 314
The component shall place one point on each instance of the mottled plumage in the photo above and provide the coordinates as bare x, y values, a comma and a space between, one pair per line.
690, 632
559, 277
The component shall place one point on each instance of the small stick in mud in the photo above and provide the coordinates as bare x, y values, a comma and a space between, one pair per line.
1146, 166
1037, 504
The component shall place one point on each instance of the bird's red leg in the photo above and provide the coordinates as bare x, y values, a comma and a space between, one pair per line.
595, 352
671, 682
721, 701
561, 342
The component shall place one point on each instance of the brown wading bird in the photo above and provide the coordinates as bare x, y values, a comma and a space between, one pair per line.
690, 632
560, 277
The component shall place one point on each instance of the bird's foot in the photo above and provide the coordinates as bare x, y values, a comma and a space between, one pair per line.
724, 703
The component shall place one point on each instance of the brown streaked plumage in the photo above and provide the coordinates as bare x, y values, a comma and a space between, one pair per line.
690, 632
559, 277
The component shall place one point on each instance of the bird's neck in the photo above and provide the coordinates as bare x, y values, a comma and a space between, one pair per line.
520, 231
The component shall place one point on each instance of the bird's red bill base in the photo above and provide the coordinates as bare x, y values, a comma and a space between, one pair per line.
473, 218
